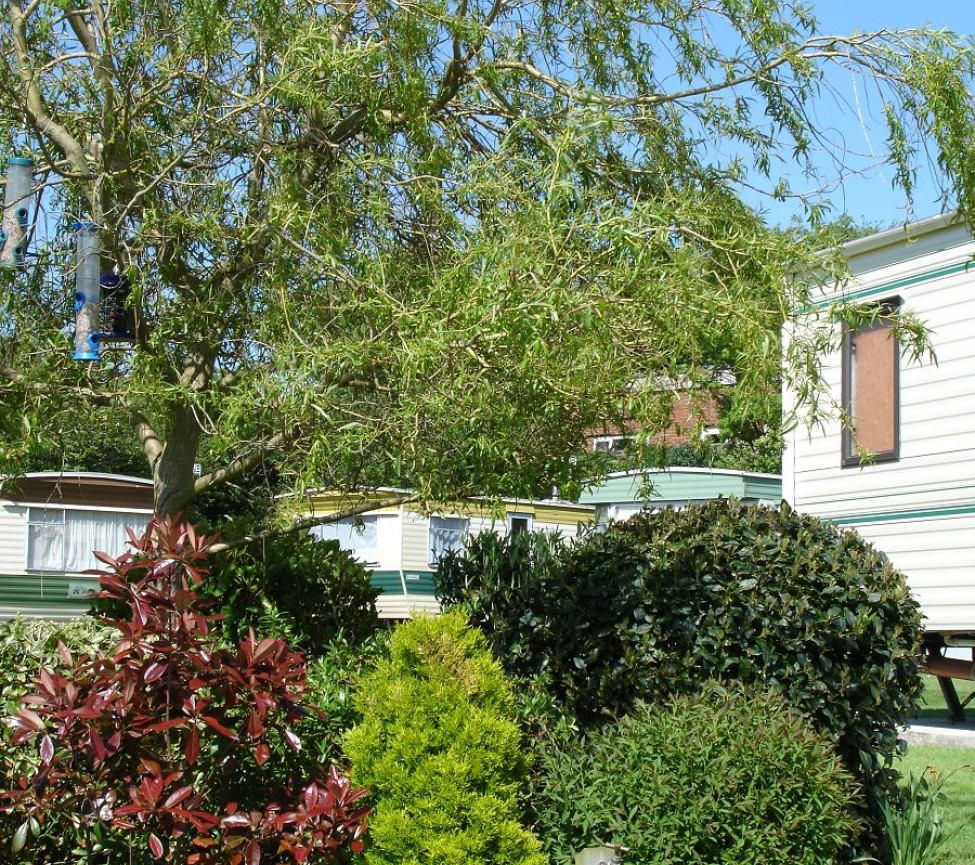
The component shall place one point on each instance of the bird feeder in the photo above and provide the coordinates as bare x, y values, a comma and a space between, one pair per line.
87, 295
118, 318
16, 212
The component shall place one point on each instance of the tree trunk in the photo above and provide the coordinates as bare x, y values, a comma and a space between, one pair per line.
172, 474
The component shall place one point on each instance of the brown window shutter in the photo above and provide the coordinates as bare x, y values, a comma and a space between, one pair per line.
873, 405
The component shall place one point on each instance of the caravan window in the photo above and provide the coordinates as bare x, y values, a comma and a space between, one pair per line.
871, 372
357, 535
446, 533
519, 523
64, 540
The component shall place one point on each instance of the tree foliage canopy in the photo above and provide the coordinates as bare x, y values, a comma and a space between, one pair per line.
426, 243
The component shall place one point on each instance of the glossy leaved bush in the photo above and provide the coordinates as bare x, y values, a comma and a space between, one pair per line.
310, 592
168, 745
729, 775
660, 604
439, 749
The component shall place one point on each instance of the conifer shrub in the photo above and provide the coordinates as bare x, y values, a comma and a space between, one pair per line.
656, 606
723, 776
439, 750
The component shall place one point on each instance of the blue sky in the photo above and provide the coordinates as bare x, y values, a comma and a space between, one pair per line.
870, 197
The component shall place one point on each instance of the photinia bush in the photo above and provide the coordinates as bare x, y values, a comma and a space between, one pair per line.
162, 747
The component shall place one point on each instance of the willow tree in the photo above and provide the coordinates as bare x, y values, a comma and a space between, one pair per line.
427, 243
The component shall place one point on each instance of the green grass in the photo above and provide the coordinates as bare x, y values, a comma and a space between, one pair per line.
955, 767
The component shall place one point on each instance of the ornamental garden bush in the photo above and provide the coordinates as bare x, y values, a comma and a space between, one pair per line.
439, 749
168, 744
310, 592
727, 775
656, 606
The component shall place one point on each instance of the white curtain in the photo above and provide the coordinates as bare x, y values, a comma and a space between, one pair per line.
446, 533
45, 539
90, 531
359, 536
63, 540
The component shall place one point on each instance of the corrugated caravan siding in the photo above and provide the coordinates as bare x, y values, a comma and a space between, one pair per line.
937, 556
13, 538
415, 541
41, 595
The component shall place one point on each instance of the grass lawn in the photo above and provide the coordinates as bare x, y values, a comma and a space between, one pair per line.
956, 768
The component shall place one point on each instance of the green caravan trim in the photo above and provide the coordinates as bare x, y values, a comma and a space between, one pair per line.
900, 516
41, 590
405, 582
888, 287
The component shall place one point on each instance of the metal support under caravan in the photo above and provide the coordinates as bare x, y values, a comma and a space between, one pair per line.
946, 670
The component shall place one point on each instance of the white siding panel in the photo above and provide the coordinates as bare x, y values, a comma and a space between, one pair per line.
875, 491
415, 542
553, 528
404, 606
938, 557
13, 538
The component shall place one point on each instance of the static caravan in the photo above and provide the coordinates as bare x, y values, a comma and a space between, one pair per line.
401, 543
902, 471
49, 524
623, 494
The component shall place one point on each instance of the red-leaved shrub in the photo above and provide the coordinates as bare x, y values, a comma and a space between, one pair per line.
171, 746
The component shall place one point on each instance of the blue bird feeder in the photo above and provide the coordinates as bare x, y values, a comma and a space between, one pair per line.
16, 212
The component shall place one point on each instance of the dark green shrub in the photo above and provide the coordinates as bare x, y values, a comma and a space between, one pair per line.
655, 606
309, 592
334, 679
439, 749
499, 581
722, 777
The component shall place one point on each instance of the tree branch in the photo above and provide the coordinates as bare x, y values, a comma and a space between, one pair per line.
238, 466
68, 144
315, 520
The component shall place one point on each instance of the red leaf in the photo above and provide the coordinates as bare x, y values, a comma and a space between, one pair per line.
262, 753
29, 720
252, 852
156, 845
177, 796
65, 654
192, 750
264, 648
210, 721
236, 821
98, 746
293, 740
154, 671
47, 750
254, 726
166, 725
